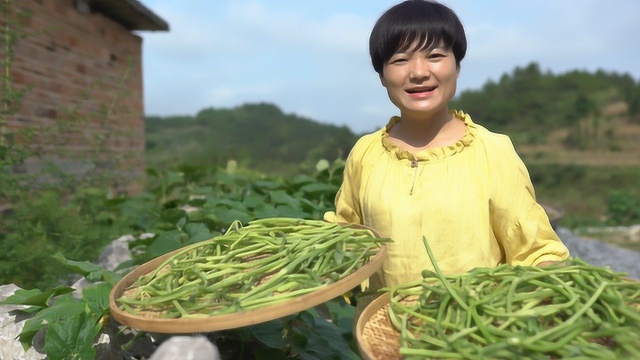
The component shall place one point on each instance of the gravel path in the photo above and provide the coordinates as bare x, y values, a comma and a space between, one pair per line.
600, 253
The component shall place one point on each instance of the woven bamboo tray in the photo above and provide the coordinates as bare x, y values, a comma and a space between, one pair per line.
377, 338
235, 320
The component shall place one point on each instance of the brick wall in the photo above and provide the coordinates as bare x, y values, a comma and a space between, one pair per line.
83, 75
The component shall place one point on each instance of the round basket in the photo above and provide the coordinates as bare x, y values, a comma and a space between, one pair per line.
235, 320
377, 338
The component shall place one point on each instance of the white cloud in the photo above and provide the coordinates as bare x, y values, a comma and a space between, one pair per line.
257, 26
311, 58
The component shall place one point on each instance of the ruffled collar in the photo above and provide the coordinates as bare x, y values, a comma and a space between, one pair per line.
434, 153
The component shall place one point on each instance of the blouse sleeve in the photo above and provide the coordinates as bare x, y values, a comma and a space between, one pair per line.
346, 201
519, 223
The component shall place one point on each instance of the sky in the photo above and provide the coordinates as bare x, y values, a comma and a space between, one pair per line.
310, 58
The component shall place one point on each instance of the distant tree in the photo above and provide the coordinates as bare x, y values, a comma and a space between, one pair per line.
258, 135
583, 106
530, 102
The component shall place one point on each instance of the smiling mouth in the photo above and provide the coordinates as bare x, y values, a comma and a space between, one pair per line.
421, 89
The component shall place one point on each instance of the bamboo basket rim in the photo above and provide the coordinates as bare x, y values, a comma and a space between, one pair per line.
239, 319
376, 337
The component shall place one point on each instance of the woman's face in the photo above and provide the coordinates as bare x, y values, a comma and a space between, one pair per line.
421, 83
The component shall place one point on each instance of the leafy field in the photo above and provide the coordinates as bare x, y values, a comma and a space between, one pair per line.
589, 195
184, 206
189, 204
577, 132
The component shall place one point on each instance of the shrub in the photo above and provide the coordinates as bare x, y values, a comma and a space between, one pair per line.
623, 207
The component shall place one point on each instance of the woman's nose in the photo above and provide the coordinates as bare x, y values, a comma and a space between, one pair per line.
419, 70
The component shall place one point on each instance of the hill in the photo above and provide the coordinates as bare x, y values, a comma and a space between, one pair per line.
259, 136
619, 143
571, 118
578, 133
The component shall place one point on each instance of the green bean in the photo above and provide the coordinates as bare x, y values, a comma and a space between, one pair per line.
443, 279
571, 310
263, 263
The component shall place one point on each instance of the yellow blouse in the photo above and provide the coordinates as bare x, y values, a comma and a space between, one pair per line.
473, 201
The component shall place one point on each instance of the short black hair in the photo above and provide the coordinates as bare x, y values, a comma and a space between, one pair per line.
427, 22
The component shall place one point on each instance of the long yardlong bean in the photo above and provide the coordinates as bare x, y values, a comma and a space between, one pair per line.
266, 262
567, 311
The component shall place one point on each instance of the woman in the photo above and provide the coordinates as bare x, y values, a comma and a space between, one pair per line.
432, 172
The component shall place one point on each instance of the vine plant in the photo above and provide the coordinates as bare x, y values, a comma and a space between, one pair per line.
54, 209
11, 152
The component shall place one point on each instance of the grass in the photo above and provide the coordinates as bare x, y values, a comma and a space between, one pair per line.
581, 191
615, 143
580, 182
613, 235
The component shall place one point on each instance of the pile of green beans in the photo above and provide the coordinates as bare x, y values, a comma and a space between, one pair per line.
571, 310
264, 263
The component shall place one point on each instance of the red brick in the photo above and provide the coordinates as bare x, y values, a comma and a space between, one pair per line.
65, 55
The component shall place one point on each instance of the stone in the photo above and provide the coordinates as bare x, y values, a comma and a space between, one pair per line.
116, 253
634, 233
600, 253
11, 325
109, 343
187, 348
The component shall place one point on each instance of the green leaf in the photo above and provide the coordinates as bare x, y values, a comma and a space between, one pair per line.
270, 354
318, 188
197, 202
164, 243
153, 172
337, 342
267, 184
269, 333
125, 265
308, 205
227, 203
115, 201
92, 272
206, 218
229, 215
282, 198
173, 216
142, 241
96, 298
292, 211
252, 201
342, 315
264, 210
198, 232
319, 339
63, 309
83, 268
174, 178
72, 338
35, 297
181, 222
111, 277
299, 180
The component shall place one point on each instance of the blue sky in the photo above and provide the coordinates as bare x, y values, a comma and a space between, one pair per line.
310, 58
